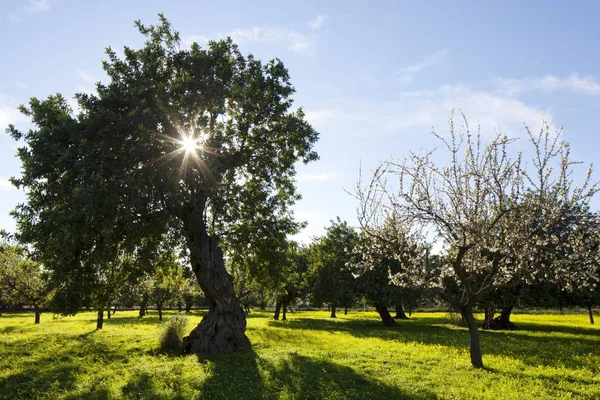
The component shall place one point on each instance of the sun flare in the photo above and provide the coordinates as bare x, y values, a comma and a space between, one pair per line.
189, 144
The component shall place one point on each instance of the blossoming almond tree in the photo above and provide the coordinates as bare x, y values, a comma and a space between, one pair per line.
490, 209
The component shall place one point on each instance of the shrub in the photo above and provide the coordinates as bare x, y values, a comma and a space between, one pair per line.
171, 337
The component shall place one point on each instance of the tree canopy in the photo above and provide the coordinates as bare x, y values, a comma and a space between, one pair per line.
201, 142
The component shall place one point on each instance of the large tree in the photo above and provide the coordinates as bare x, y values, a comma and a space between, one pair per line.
202, 141
491, 210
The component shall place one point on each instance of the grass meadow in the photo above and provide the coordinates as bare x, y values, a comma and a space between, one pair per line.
307, 357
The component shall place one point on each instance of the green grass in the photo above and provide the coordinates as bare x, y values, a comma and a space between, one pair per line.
308, 357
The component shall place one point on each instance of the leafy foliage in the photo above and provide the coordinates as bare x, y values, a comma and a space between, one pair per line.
332, 281
198, 142
22, 280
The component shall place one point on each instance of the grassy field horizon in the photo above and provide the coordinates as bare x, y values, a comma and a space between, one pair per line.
310, 356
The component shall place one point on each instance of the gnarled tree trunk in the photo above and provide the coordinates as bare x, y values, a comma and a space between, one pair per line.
223, 329
400, 311
333, 308
385, 315
475, 346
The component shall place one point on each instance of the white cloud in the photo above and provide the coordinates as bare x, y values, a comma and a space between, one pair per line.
200, 39
37, 6
587, 85
419, 112
29, 8
282, 37
6, 185
407, 74
318, 21
322, 177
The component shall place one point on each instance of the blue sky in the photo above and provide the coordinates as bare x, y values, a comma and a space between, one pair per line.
373, 77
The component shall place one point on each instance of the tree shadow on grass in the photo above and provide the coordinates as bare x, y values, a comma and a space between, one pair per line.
302, 377
247, 376
543, 348
572, 330
41, 370
232, 376
145, 386
32, 382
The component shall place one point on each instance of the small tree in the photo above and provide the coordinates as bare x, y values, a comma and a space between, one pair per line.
293, 279
388, 261
331, 280
165, 282
22, 281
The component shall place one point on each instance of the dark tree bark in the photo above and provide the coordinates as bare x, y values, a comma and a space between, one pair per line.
475, 346
591, 314
188, 306
346, 310
143, 305
410, 309
179, 307
223, 329
100, 319
263, 305
108, 311
114, 309
502, 322
400, 311
159, 308
385, 315
505, 314
284, 317
490, 311
333, 308
277, 310
38, 314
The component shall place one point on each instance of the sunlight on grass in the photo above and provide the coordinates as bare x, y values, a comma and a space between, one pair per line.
309, 356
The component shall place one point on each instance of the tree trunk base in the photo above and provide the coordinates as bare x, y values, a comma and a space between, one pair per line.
385, 315
499, 324
218, 332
